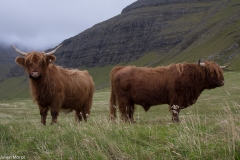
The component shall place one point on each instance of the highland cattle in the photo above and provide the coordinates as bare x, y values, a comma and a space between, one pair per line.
55, 88
178, 85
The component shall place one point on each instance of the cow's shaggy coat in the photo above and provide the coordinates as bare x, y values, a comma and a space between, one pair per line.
178, 85
55, 88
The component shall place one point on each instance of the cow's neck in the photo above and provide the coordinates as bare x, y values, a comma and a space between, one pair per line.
41, 88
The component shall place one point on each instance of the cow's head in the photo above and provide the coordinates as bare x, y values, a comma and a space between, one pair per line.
35, 63
213, 74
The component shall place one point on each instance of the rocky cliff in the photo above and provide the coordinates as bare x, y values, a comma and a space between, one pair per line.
146, 3
144, 26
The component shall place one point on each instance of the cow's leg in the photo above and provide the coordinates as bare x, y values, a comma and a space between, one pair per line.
127, 110
55, 108
78, 115
88, 105
84, 115
81, 114
113, 110
54, 115
86, 109
123, 109
131, 112
43, 113
175, 113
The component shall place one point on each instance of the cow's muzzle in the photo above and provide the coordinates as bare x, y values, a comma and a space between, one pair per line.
221, 83
35, 75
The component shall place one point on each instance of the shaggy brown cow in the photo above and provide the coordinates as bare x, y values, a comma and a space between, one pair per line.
56, 88
178, 85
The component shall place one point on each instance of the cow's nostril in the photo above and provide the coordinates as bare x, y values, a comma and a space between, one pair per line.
35, 74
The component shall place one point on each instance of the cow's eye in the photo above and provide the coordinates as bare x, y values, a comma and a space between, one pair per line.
29, 64
41, 64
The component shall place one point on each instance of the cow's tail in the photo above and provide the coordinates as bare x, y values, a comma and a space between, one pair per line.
113, 98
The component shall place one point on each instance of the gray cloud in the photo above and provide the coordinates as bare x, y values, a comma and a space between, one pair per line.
39, 25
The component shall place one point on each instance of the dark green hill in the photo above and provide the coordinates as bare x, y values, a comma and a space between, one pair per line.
168, 28
7, 56
152, 33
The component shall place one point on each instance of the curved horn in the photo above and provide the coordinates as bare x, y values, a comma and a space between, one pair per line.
18, 51
223, 67
49, 53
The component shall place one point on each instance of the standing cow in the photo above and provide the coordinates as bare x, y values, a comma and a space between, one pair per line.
56, 88
178, 85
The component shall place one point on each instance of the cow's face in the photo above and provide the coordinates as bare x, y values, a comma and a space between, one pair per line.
214, 75
215, 80
35, 64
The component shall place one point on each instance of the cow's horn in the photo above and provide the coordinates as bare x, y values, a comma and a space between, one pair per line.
201, 63
49, 53
223, 67
18, 51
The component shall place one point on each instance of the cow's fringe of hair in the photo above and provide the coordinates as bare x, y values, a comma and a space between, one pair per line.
32, 57
212, 68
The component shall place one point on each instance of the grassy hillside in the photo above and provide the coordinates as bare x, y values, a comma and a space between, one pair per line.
217, 39
4, 69
209, 129
14, 88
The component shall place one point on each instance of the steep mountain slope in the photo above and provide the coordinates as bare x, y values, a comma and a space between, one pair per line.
161, 26
216, 39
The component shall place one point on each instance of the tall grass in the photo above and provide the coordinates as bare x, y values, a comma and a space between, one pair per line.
198, 136
210, 129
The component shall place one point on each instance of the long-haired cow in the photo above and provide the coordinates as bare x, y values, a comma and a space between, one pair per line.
55, 88
178, 85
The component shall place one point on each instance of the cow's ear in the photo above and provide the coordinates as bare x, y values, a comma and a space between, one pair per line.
20, 61
51, 58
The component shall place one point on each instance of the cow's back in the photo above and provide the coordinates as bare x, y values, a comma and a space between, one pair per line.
78, 87
143, 85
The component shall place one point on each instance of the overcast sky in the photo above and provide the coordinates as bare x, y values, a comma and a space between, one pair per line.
43, 24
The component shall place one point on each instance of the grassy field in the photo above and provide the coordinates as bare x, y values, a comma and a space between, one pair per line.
210, 129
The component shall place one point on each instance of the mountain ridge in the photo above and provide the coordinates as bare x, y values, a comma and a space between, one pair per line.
131, 35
